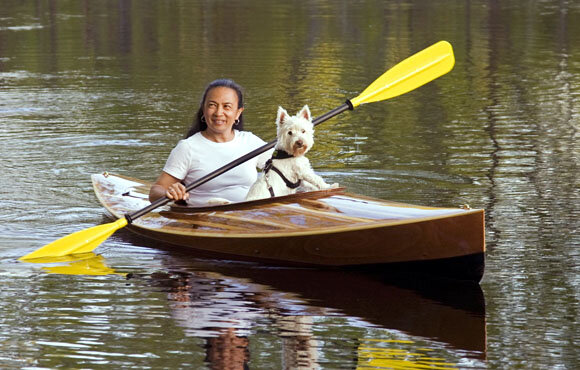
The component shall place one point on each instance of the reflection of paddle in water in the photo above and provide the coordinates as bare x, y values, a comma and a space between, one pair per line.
77, 264
396, 354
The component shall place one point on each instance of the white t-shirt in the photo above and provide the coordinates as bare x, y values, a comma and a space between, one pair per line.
197, 156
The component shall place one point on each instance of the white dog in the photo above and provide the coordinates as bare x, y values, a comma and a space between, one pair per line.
289, 168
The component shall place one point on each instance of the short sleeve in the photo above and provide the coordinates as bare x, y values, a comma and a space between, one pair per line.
177, 164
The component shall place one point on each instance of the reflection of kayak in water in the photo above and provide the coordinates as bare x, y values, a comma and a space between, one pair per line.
447, 311
229, 304
321, 228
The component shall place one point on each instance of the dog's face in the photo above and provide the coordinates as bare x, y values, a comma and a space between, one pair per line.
295, 133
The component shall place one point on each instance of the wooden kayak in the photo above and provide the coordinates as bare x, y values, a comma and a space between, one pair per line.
329, 228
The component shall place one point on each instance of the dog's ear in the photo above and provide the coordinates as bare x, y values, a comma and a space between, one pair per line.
282, 115
305, 112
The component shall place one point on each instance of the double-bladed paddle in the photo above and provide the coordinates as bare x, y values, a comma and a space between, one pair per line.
406, 76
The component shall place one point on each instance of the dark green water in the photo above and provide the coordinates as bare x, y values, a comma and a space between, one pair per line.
88, 86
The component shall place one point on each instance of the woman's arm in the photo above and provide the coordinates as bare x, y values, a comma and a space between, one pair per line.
168, 186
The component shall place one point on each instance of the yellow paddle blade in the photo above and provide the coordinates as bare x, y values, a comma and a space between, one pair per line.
80, 242
415, 71
62, 259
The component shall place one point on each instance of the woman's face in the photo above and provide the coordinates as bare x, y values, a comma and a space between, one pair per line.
220, 109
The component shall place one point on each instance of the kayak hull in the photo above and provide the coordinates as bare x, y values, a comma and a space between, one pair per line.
328, 228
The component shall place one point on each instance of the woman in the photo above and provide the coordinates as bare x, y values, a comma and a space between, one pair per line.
215, 139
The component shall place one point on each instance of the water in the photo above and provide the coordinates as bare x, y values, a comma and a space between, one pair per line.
112, 85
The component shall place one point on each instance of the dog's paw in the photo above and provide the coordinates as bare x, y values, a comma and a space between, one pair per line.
305, 187
218, 201
328, 186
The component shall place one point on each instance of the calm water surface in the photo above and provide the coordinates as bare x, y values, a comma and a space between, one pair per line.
112, 85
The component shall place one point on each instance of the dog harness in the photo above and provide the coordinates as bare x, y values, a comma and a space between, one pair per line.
280, 154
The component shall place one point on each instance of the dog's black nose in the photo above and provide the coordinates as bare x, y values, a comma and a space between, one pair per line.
299, 143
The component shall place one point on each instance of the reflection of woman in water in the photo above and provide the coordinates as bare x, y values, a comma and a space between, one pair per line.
200, 307
222, 310
227, 351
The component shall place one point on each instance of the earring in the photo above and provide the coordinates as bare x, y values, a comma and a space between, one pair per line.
236, 122
202, 119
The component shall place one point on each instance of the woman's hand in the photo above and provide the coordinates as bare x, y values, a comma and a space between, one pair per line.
168, 186
177, 191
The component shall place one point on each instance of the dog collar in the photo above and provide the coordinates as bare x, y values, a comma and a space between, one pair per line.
281, 154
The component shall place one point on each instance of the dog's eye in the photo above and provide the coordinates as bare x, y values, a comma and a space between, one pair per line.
290, 133
303, 131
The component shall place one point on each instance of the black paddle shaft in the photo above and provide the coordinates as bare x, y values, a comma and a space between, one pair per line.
212, 175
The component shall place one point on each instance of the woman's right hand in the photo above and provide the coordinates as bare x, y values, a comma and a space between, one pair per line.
177, 192
168, 186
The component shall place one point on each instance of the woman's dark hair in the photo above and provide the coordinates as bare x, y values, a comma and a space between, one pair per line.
199, 125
